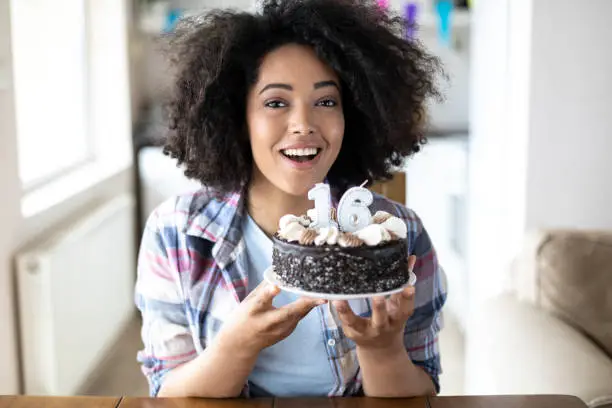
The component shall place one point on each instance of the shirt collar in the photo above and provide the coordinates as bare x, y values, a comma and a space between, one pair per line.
217, 218
210, 214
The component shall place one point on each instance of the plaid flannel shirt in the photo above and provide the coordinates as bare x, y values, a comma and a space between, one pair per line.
191, 276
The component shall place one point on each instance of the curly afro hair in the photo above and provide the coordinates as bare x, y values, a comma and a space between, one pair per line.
386, 81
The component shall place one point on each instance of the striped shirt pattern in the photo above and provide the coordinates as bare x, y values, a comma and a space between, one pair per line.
192, 275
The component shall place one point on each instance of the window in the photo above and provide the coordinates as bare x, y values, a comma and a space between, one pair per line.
72, 96
50, 56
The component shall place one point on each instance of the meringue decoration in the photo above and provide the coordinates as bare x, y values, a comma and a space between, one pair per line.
373, 234
380, 217
286, 219
396, 226
327, 236
292, 232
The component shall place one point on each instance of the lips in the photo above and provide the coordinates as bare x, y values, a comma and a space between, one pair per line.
301, 154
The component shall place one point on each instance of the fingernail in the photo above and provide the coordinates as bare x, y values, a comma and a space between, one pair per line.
321, 302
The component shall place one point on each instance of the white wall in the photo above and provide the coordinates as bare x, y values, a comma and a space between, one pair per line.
488, 121
9, 210
570, 143
541, 126
17, 231
436, 187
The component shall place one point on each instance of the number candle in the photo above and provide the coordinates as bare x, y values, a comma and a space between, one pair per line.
353, 212
320, 194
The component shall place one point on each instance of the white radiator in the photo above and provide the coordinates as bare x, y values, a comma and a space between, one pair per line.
75, 294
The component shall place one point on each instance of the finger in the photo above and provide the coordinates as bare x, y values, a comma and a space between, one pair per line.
407, 306
393, 305
262, 300
348, 318
411, 262
262, 285
380, 318
408, 292
297, 310
403, 304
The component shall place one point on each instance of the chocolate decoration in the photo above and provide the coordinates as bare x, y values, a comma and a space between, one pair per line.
336, 270
308, 237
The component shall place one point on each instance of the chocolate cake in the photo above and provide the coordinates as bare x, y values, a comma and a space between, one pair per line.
334, 269
327, 260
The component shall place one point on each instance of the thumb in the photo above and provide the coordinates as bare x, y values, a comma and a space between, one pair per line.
301, 307
411, 262
262, 299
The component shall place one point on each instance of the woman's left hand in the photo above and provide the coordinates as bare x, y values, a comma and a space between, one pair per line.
386, 326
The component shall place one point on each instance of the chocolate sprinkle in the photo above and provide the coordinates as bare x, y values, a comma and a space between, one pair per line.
333, 269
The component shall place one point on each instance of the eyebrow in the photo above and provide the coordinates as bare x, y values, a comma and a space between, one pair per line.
323, 84
317, 85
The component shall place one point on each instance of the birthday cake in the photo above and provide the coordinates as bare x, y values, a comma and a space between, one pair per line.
348, 252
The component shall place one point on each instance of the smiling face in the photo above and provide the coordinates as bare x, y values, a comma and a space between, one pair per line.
295, 119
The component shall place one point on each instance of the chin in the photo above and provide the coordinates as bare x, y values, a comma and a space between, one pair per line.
299, 187
298, 191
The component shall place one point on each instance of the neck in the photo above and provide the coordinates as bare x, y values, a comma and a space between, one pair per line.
266, 204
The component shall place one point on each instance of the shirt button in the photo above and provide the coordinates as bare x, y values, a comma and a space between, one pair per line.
331, 342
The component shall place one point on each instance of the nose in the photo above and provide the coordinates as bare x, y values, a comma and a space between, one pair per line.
301, 121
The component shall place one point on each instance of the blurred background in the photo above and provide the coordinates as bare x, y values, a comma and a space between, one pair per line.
513, 186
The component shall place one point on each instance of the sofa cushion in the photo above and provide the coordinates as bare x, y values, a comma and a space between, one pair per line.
515, 347
602, 402
574, 273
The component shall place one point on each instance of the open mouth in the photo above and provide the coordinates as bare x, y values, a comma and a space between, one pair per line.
301, 155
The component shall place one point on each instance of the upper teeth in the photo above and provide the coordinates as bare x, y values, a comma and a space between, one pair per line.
301, 152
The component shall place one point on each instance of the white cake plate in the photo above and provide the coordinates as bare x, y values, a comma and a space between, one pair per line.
271, 278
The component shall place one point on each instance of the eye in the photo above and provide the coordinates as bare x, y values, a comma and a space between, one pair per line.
328, 103
275, 104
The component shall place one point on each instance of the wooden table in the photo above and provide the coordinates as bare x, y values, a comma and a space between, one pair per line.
544, 401
515, 401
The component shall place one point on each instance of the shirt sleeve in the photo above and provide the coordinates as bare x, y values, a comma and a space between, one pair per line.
166, 334
422, 328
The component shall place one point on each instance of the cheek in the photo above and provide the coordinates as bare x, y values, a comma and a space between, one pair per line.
261, 133
336, 132
263, 137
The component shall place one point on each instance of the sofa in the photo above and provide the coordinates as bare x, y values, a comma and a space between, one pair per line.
550, 332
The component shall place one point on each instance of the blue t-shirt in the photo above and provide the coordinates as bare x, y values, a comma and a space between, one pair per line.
297, 365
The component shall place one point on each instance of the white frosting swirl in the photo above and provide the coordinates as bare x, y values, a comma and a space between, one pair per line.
373, 234
289, 218
327, 235
285, 220
292, 231
397, 226
332, 237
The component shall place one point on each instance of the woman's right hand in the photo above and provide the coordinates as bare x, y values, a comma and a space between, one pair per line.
257, 324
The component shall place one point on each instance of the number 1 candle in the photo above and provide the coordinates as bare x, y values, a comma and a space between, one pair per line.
320, 194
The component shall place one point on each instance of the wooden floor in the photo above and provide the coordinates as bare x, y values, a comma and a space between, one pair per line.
121, 373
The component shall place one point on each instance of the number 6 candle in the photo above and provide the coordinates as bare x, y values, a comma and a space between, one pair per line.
353, 211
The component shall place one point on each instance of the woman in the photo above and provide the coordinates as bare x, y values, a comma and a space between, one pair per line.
265, 106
